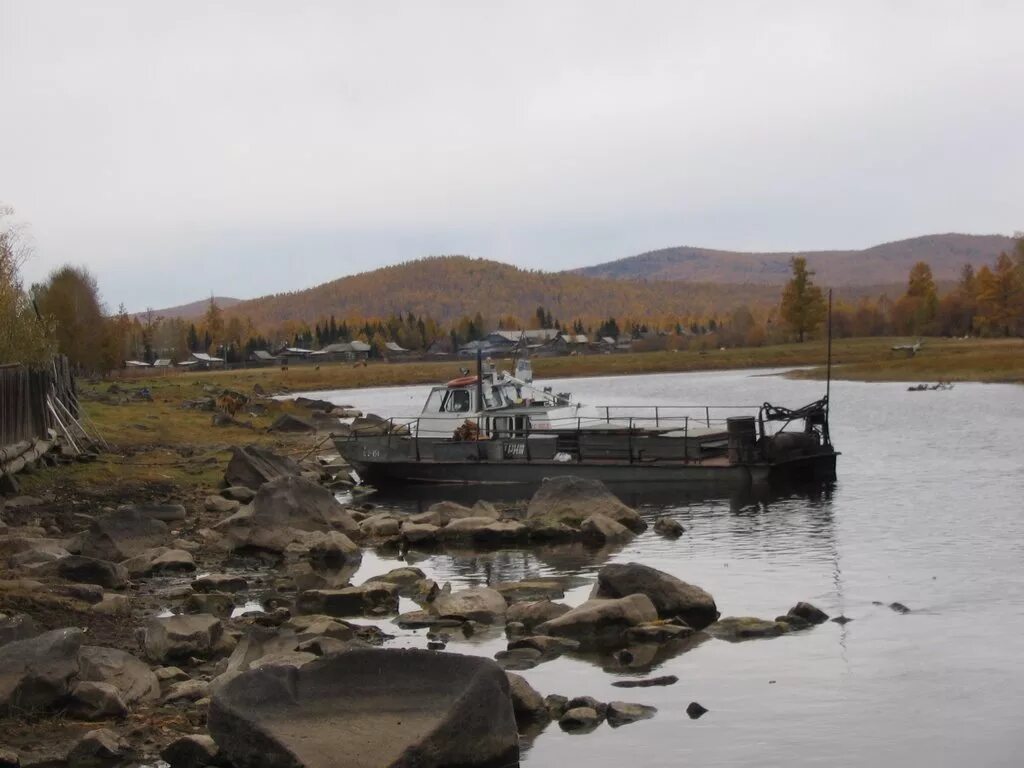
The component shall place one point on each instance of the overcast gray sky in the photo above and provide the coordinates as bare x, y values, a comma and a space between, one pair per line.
179, 148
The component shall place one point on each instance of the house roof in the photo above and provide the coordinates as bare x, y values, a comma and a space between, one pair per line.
163, 362
262, 354
608, 340
136, 363
296, 351
340, 346
394, 347
570, 338
360, 346
202, 357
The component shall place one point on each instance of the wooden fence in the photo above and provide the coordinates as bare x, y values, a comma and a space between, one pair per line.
29, 398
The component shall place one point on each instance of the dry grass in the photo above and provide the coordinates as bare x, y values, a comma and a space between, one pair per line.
869, 358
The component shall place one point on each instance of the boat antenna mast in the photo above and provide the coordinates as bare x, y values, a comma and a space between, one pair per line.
828, 368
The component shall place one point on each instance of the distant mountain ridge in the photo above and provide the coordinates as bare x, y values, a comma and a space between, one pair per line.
447, 288
670, 282
190, 310
880, 264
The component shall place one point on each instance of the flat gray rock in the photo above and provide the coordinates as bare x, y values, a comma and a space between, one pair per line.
368, 709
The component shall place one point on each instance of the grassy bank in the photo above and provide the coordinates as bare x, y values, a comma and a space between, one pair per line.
989, 360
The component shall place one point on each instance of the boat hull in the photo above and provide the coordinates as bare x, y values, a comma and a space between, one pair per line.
390, 469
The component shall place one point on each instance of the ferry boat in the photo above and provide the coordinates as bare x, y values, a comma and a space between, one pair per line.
499, 427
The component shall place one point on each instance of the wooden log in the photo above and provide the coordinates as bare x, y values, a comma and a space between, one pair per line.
35, 452
11, 452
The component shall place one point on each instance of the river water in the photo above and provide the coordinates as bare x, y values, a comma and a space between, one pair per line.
926, 511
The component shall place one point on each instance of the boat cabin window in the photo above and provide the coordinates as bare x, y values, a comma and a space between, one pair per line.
434, 401
457, 401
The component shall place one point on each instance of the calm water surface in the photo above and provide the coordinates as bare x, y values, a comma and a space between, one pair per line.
926, 511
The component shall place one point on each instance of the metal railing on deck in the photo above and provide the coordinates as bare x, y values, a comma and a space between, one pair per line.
635, 423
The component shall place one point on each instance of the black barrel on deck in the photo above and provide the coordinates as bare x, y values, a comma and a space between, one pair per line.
742, 438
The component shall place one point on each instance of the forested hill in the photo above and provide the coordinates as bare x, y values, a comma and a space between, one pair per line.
447, 288
882, 264
193, 309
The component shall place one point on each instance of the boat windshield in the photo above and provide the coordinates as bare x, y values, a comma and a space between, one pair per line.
456, 401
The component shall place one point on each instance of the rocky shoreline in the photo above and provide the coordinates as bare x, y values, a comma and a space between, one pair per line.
207, 632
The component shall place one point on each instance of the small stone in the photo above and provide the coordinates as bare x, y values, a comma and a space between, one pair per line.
842, 620
899, 608
220, 582
222, 505
529, 706
96, 701
192, 751
100, 747
794, 622
170, 674
215, 603
623, 713
668, 527
580, 719
112, 604
695, 710
239, 493
187, 690
649, 682
808, 613
589, 702
556, 704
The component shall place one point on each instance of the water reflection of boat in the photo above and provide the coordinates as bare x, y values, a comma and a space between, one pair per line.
418, 498
496, 428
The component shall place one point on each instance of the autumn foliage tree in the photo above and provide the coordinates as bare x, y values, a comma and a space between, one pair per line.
70, 298
24, 337
803, 305
916, 309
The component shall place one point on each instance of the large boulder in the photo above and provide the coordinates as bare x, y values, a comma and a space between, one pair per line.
601, 619
169, 638
252, 465
481, 604
671, 596
571, 500
123, 534
368, 708
282, 510
37, 673
133, 678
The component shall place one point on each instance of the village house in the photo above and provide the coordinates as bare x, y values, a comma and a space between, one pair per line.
262, 357
346, 351
203, 360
